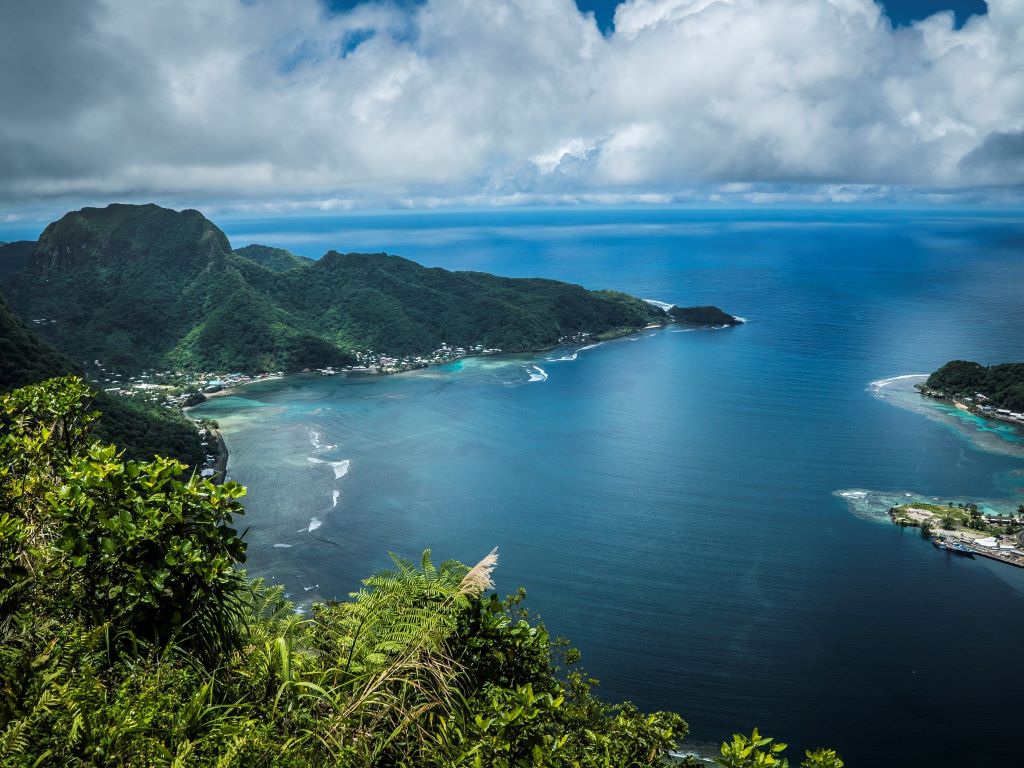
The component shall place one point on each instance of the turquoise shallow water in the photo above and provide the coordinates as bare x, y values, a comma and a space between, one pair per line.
669, 500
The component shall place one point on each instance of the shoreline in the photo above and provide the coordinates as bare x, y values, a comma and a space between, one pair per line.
222, 455
602, 337
234, 388
972, 408
965, 530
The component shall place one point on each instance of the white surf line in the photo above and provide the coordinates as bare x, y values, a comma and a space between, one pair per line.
660, 304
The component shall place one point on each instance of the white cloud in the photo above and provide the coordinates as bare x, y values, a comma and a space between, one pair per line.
461, 100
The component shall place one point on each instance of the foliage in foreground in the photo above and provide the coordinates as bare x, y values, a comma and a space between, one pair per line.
129, 637
757, 751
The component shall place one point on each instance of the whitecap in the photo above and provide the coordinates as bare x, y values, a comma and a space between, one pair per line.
660, 304
334, 498
282, 546
314, 523
540, 374
574, 355
340, 467
877, 385
564, 358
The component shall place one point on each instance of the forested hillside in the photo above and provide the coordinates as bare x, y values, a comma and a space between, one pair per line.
1002, 384
142, 430
143, 287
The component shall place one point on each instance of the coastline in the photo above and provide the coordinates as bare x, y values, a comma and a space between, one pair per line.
965, 530
987, 528
981, 429
611, 335
220, 464
222, 455
972, 408
618, 333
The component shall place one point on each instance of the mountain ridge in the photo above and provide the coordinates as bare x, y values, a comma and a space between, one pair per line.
147, 287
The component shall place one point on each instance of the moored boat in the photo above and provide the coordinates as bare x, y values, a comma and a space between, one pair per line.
956, 547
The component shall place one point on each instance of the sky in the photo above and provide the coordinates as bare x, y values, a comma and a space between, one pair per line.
900, 12
330, 105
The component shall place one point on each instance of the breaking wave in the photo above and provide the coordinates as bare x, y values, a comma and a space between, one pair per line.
340, 467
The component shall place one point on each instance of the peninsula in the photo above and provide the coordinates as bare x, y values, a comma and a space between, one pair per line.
154, 308
993, 392
143, 287
964, 529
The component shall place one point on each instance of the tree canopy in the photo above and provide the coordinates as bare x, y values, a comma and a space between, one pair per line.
1002, 384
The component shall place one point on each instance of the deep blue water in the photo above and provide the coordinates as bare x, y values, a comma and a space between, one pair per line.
668, 500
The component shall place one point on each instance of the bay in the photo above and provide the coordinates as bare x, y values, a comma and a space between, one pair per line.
669, 500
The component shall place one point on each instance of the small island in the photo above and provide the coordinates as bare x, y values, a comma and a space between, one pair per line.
964, 529
705, 315
993, 392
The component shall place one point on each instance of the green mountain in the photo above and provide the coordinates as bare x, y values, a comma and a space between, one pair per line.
146, 287
24, 357
1002, 385
14, 256
142, 430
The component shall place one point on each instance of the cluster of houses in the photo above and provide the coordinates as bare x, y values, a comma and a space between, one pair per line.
979, 402
180, 389
172, 389
212, 450
369, 361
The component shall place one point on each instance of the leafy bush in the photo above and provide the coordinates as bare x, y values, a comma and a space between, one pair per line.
128, 638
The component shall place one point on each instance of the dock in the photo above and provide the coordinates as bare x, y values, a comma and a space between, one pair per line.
1013, 558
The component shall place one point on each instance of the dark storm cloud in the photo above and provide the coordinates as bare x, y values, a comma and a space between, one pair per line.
1000, 157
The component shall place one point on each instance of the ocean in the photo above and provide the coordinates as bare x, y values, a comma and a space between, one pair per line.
673, 501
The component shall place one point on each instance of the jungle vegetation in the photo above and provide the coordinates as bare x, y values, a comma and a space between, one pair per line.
142, 430
1002, 384
141, 287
